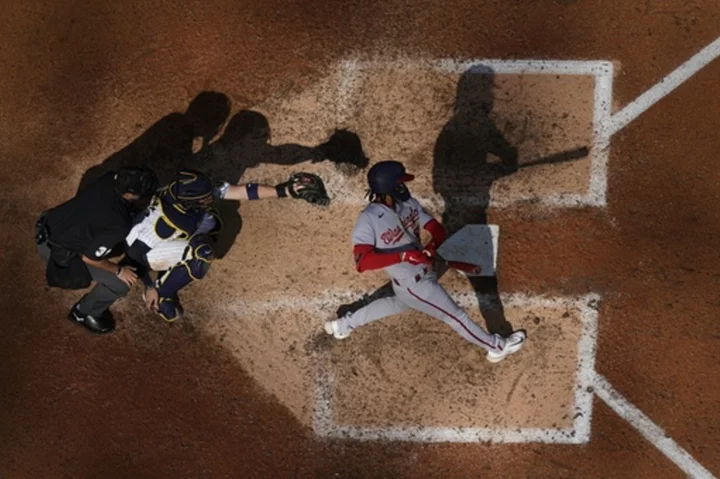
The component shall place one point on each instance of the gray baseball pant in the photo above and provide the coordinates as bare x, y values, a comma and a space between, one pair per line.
108, 288
422, 293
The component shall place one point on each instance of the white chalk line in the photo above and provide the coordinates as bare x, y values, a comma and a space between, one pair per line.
588, 383
348, 85
437, 201
587, 351
604, 390
649, 430
450, 65
324, 426
597, 192
661, 89
602, 71
331, 298
451, 435
605, 126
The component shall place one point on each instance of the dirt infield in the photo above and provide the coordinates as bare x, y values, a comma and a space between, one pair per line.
239, 387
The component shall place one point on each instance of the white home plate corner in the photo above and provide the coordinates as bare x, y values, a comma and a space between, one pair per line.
473, 244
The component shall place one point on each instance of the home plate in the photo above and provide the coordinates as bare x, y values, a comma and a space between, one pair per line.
474, 244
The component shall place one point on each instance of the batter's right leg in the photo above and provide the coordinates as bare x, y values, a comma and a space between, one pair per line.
378, 309
428, 296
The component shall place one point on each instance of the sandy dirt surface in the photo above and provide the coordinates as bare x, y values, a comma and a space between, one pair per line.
229, 390
409, 372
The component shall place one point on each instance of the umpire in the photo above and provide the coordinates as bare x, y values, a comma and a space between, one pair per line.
76, 239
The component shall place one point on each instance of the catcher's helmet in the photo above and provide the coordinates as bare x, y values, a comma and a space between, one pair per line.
191, 189
384, 177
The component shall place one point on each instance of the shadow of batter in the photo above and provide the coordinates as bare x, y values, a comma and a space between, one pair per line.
464, 172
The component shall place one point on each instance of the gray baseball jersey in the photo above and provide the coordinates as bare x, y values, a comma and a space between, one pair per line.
392, 231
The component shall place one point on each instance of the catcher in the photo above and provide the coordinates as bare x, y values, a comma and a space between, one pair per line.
175, 236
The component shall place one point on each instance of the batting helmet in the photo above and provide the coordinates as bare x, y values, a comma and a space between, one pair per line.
388, 178
191, 189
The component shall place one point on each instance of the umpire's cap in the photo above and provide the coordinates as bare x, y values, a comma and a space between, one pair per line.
137, 180
385, 176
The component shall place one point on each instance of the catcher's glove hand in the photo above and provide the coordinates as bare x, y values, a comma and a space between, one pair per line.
308, 187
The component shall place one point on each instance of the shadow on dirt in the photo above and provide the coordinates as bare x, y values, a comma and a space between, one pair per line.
184, 140
246, 143
167, 145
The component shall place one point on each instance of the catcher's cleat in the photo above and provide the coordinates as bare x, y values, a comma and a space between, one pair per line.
507, 346
169, 308
104, 324
331, 327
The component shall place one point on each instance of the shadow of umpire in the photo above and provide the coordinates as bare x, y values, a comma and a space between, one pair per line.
169, 144
463, 173
247, 143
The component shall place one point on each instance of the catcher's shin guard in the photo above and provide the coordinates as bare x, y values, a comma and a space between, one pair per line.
194, 266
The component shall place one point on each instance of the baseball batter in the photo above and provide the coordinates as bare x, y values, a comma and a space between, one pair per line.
387, 235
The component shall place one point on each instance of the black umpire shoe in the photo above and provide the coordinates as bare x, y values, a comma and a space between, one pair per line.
104, 324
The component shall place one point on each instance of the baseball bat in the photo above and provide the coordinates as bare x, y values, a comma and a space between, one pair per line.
467, 268
562, 157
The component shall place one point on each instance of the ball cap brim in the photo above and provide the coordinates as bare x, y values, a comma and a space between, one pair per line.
406, 177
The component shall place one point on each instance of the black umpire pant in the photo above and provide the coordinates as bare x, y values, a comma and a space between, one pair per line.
108, 287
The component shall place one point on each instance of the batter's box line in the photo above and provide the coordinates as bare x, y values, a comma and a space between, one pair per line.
349, 85
587, 305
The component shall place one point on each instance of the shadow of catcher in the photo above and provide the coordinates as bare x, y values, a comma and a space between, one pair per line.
246, 143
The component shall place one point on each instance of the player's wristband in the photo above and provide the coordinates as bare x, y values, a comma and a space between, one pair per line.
252, 191
281, 190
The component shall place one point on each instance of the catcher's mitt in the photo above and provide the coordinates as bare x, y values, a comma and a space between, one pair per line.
308, 187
